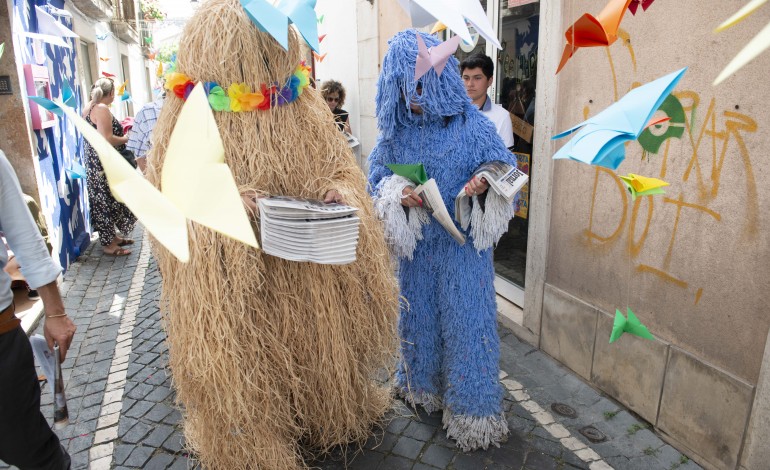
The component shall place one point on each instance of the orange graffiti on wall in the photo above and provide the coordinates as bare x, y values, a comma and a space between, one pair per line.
710, 137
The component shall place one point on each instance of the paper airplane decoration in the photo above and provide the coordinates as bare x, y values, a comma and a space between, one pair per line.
275, 20
108, 75
600, 140
590, 31
755, 47
436, 57
76, 171
49, 26
414, 173
319, 57
455, 15
639, 185
632, 325
635, 4
197, 183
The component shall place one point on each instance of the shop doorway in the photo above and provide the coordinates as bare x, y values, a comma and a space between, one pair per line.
515, 89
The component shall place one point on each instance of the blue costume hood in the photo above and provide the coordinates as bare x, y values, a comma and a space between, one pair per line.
442, 96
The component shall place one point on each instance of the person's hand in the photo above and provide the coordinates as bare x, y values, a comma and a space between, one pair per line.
476, 186
333, 195
60, 330
409, 198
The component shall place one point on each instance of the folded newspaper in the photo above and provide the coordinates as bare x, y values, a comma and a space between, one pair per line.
308, 230
503, 178
431, 196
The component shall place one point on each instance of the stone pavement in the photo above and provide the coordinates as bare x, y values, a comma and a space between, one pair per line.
122, 411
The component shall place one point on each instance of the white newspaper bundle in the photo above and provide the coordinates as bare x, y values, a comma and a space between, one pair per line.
503, 178
308, 230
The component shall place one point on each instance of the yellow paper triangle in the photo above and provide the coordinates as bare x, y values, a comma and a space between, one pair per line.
439, 26
643, 183
741, 14
755, 47
195, 176
164, 221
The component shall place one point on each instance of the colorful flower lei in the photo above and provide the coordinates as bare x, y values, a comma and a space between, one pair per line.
239, 97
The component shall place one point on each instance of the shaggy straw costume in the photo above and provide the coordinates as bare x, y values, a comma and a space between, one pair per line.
449, 341
267, 353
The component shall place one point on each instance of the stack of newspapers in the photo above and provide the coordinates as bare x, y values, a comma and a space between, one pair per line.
308, 230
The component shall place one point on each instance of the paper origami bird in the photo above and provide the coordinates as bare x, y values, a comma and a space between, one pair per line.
50, 26
104, 59
159, 71
600, 140
632, 325
639, 185
122, 87
197, 183
275, 19
413, 172
321, 38
320, 19
436, 57
2, 49
76, 171
108, 75
319, 57
755, 47
590, 31
101, 37
635, 4
67, 95
125, 96
453, 14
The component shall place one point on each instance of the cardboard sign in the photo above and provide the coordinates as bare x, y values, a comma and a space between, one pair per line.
522, 128
521, 202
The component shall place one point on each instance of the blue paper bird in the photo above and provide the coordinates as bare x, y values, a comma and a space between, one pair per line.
275, 20
600, 140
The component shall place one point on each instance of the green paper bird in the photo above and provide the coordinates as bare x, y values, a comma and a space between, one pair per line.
320, 19
148, 40
2, 49
631, 325
415, 173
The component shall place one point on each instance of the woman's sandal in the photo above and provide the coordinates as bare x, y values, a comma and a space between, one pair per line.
118, 252
126, 242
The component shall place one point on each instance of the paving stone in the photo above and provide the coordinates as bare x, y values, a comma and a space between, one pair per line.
139, 457
473, 461
175, 443
125, 424
139, 409
437, 456
158, 436
421, 466
180, 463
121, 453
137, 432
408, 447
140, 391
173, 418
394, 462
540, 461
159, 394
420, 431
159, 462
158, 413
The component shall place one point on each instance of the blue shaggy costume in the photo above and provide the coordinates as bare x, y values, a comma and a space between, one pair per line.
448, 329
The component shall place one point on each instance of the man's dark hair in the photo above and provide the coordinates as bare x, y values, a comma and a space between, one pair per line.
482, 61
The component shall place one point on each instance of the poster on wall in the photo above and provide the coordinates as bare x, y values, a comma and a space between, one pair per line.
521, 202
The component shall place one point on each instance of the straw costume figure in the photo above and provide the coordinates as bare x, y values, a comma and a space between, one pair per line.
448, 329
267, 353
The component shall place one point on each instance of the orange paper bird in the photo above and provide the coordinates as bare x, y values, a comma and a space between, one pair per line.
108, 75
104, 59
319, 58
590, 31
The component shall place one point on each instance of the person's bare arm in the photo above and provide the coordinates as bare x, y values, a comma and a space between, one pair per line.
58, 327
102, 117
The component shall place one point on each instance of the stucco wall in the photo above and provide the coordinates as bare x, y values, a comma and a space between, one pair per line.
694, 263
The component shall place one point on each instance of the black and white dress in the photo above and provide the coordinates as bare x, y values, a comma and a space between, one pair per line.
106, 212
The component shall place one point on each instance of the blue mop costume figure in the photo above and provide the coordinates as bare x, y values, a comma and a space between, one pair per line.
448, 329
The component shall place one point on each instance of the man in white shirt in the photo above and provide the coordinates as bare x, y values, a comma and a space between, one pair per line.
26, 439
477, 71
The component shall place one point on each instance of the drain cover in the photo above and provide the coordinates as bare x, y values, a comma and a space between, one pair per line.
593, 434
564, 410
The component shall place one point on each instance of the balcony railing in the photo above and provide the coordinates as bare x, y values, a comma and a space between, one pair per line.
100, 10
124, 21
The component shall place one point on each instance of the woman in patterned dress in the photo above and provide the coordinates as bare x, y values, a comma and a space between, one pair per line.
107, 214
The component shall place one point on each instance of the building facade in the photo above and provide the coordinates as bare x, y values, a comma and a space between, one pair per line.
693, 264
44, 59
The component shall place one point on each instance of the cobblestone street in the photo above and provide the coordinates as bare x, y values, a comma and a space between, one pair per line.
123, 415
